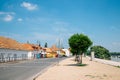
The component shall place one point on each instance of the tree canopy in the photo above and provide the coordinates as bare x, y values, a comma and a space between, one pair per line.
100, 52
79, 43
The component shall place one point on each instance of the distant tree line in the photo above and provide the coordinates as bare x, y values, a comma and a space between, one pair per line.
114, 53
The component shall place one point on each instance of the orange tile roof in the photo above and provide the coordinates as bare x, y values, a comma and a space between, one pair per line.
54, 48
13, 44
8, 43
2, 45
48, 50
27, 47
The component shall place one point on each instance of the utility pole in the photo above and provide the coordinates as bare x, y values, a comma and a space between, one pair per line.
59, 45
38, 43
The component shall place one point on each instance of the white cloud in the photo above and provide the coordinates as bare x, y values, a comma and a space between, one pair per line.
8, 18
116, 44
61, 23
44, 36
29, 6
20, 19
60, 27
12, 35
113, 28
6, 13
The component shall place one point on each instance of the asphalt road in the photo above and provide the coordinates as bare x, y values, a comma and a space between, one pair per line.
25, 70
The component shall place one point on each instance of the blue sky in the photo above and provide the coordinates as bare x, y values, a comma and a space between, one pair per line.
51, 20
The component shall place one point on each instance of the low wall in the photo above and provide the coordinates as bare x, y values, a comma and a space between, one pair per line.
107, 62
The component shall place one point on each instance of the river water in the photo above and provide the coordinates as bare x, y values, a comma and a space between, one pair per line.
115, 58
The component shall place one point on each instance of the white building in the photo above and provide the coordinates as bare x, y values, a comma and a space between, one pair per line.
67, 52
12, 55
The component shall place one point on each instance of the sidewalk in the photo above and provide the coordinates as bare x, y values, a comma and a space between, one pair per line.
67, 70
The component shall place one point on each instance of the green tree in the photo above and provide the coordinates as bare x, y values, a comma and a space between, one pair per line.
79, 43
46, 45
100, 52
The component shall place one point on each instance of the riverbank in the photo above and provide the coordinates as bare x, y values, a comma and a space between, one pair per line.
68, 70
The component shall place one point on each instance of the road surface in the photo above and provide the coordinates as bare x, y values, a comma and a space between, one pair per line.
26, 69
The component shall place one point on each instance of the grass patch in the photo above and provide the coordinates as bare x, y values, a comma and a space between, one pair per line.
96, 76
91, 76
118, 66
104, 75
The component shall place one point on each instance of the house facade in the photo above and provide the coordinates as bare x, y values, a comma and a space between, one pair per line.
12, 55
11, 50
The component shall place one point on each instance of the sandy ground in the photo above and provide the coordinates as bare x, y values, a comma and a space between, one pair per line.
68, 70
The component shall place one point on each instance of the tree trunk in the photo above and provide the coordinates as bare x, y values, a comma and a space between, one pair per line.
78, 58
75, 57
81, 59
